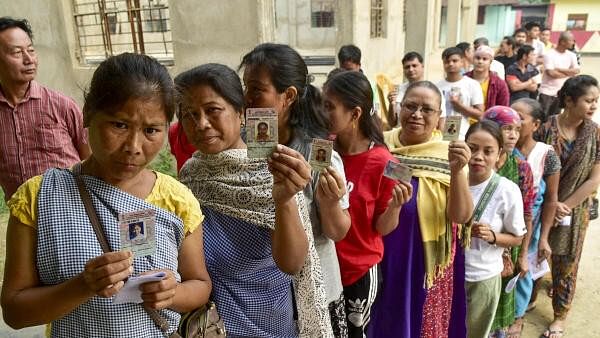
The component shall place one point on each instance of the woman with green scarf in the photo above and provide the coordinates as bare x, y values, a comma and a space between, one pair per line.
519, 172
423, 291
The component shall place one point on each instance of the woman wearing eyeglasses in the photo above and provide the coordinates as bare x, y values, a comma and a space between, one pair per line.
422, 262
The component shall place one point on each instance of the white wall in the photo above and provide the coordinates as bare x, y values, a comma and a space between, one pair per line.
379, 55
294, 27
58, 68
217, 31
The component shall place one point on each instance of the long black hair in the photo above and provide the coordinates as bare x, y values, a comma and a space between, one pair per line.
575, 87
353, 89
286, 68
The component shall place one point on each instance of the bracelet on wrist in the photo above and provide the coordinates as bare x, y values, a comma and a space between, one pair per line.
494, 241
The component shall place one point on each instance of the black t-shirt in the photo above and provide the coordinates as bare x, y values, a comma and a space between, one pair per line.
506, 60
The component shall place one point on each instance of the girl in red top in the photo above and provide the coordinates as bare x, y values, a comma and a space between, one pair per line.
181, 148
375, 200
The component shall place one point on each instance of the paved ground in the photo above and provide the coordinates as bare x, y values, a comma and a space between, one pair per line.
583, 321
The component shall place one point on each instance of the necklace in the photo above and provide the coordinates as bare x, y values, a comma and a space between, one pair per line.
567, 132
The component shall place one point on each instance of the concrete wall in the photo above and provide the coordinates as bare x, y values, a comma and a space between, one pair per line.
201, 34
57, 63
223, 31
216, 31
379, 55
293, 26
468, 19
423, 36
461, 21
563, 8
588, 41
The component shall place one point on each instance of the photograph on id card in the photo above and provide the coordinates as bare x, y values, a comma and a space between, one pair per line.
138, 232
320, 154
397, 171
451, 130
261, 132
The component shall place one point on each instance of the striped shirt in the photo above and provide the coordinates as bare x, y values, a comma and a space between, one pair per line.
40, 132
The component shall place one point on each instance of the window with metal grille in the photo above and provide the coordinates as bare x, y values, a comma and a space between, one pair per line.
322, 13
109, 27
378, 16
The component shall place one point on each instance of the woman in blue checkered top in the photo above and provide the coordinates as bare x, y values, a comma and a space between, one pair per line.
258, 238
56, 271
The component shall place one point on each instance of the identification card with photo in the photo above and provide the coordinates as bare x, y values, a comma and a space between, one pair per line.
451, 130
261, 132
536, 268
320, 154
397, 171
138, 232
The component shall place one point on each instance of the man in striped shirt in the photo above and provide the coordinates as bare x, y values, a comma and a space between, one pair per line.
39, 128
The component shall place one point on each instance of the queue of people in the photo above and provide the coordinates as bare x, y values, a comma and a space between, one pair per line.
284, 249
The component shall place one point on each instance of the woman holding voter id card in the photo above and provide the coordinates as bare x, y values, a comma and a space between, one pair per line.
56, 271
258, 240
575, 139
275, 76
497, 224
375, 200
510, 166
423, 265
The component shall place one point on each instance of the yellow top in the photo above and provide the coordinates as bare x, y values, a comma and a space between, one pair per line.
167, 194
485, 85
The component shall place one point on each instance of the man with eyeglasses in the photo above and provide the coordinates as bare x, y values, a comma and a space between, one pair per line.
462, 95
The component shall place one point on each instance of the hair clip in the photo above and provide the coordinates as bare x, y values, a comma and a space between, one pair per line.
373, 110
309, 78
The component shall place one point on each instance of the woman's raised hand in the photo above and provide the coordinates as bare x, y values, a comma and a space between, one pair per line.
459, 155
291, 173
331, 187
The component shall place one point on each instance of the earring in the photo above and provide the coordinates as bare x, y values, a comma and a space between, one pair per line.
353, 124
242, 121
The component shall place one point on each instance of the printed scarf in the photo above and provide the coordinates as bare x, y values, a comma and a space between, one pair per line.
233, 184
